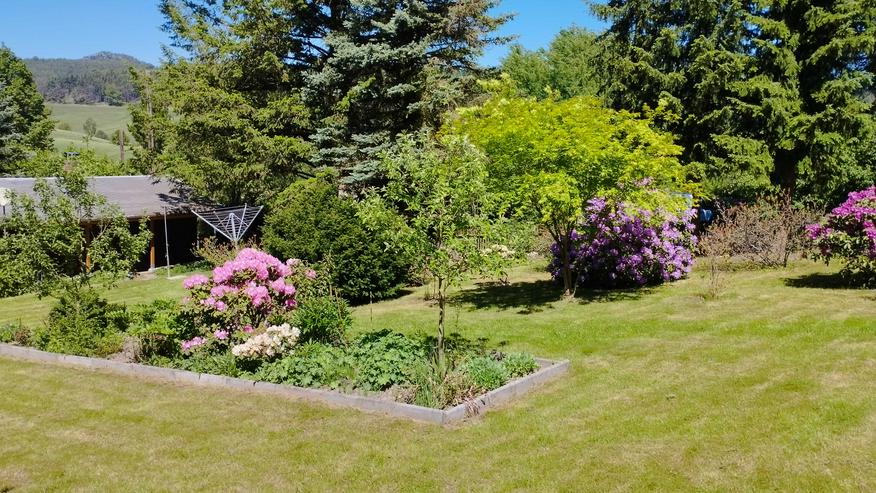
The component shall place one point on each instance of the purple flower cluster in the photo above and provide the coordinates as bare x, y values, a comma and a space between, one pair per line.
620, 246
849, 232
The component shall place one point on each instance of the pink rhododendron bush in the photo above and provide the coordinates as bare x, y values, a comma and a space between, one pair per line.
849, 233
245, 305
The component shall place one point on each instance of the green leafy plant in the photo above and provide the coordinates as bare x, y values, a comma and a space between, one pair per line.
310, 221
384, 359
15, 333
323, 319
311, 365
486, 373
160, 327
519, 364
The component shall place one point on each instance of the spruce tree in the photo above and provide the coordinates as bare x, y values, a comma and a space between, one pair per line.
298, 85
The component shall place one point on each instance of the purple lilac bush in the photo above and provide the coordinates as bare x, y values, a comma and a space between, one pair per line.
621, 246
849, 233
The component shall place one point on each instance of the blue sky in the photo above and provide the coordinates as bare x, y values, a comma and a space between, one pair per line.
76, 28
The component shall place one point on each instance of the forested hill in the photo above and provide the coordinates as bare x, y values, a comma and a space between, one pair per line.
99, 78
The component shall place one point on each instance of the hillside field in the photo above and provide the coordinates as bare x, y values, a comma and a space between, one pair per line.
108, 118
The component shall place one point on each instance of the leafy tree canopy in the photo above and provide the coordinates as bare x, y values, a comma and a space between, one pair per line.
63, 237
24, 119
547, 158
568, 68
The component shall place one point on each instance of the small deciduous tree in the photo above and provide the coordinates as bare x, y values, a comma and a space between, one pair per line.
438, 211
90, 129
547, 158
63, 237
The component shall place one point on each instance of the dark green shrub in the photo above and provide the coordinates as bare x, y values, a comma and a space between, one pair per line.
486, 373
311, 365
160, 326
84, 324
311, 222
384, 359
519, 364
323, 319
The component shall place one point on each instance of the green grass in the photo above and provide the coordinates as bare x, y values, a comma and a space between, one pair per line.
770, 387
30, 310
108, 118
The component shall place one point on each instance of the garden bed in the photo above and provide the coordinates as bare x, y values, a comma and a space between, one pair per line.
548, 370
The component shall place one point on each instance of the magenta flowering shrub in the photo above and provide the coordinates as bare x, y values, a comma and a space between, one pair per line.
242, 295
621, 246
849, 233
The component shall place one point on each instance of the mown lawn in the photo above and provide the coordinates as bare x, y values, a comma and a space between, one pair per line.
772, 387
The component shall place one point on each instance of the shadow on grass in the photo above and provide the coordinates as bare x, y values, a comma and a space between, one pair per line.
535, 296
837, 280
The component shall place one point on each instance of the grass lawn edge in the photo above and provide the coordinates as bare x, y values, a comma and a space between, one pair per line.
548, 370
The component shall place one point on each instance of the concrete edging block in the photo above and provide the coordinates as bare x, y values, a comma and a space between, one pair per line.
548, 370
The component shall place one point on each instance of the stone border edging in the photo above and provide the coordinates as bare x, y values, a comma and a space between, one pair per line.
549, 370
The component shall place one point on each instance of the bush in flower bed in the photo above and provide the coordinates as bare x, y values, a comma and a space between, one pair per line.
618, 245
849, 233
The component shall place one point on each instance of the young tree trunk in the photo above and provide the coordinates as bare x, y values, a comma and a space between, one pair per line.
565, 246
441, 311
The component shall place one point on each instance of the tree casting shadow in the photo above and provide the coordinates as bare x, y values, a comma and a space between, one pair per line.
535, 296
829, 281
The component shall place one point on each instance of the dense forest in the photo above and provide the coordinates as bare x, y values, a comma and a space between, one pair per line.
100, 78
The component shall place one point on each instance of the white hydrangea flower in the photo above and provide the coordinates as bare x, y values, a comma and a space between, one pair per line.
276, 339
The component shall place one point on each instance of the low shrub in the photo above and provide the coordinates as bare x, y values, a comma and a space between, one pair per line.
160, 327
15, 333
766, 232
276, 341
323, 319
251, 291
519, 364
311, 365
848, 233
486, 373
310, 221
431, 389
622, 246
82, 323
222, 363
383, 359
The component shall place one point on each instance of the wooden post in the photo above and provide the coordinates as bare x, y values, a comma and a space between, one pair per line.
121, 145
152, 244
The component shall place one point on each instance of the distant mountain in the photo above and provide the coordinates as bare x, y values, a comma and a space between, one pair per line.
99, 78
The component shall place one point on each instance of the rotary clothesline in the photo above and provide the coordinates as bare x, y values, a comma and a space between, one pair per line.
231, 222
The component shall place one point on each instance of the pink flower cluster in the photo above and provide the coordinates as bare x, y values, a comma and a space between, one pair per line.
245, 291
193, 343
849, 232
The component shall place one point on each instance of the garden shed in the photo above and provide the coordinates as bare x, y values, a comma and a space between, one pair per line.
167, 206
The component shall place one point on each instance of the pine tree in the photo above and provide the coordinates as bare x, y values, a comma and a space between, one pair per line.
762, 94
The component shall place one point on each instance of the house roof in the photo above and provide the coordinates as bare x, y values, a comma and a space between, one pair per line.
137, 196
